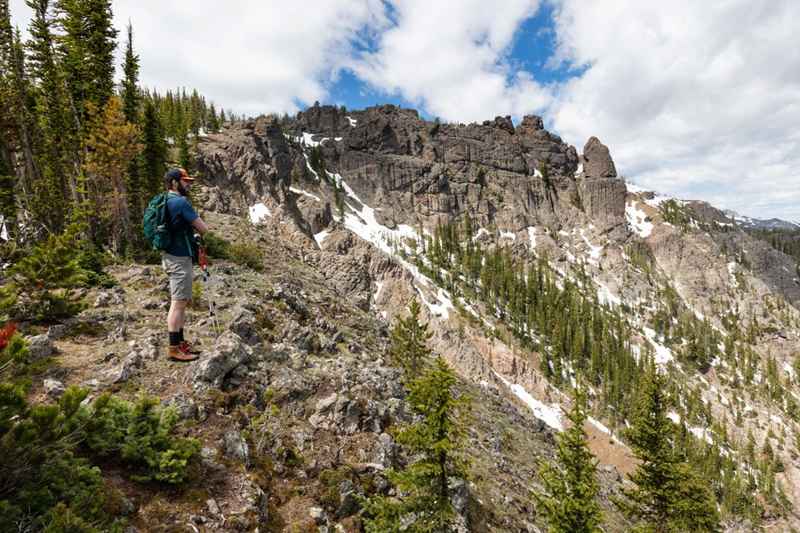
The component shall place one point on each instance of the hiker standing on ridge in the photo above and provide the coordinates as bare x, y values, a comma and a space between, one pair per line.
177, 259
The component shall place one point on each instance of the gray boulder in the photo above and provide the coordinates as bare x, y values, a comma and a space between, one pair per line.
129, 367
57, 331
228, 353
53, 388
39, 347
236, 447
244, 325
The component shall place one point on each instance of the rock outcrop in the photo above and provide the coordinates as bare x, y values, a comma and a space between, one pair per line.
597, 162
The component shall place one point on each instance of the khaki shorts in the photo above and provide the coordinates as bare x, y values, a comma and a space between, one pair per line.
179, 270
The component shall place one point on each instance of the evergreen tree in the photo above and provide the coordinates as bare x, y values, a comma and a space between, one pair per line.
213, 120
87, 44
437, 440
569, 502
409, 342
41, 284
154, 153
57, 143
184, 158
130, 84
668, 496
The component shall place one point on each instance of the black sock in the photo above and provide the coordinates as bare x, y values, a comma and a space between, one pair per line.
174, 338
180, 334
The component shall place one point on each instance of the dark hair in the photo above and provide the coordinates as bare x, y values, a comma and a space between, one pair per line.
173, 174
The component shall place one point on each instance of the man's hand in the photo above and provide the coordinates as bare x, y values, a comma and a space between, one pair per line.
199, 225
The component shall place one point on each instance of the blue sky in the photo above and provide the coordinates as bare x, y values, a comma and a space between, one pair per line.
688, 103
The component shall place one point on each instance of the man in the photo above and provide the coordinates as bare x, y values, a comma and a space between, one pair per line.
177, 259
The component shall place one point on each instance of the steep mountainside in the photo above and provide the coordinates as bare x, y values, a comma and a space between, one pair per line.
372, 198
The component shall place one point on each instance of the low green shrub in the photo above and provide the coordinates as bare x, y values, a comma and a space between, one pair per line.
141, 434
93, 262
41, 285
247, 255
47, 479
216, 246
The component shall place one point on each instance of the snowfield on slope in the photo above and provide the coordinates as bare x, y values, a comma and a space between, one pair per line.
638, 220
549, 414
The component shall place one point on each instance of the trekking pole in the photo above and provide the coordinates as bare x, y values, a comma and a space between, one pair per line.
212, 305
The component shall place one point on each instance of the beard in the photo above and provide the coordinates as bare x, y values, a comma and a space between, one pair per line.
182, 190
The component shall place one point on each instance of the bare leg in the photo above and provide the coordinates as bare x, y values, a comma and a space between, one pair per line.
177, 315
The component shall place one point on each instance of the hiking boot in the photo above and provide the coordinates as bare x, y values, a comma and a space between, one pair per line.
187, 347
176, 354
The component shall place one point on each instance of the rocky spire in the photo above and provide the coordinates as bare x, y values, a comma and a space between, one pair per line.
597, 162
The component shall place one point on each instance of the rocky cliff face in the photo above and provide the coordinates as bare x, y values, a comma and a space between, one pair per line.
350, 196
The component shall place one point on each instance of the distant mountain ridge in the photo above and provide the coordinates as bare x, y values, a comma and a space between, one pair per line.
760, 223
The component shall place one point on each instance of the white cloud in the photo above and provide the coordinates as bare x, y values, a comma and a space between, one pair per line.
696, 99
699, 99
451, 58
253, 56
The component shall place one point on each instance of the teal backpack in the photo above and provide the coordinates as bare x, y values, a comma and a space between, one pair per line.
156, 222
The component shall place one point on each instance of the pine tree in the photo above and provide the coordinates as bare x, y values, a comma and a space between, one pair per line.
153, 156
437, 439
569, 502
130, 84
668, 496
213, 120
16, 114
57, 142
409, 342
184, 159
87, 45
112, 144
41, 285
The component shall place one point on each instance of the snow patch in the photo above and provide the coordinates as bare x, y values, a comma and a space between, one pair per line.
442, 307
532, 236
638, 220
508, 235
788, 369
594, 251
379, 285
599, 425
580, 169
308, 166
663, 354
732, 273
258, 212
481, 232
321, 236
305, 193
352, 121
549, 414
702, 434
605, 296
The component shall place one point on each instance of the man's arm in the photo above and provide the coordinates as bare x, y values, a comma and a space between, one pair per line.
199, 225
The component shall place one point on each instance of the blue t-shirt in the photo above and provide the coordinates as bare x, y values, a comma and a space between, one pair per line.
181, 216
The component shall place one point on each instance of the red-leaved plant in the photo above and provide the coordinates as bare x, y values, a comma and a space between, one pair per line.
6, 333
